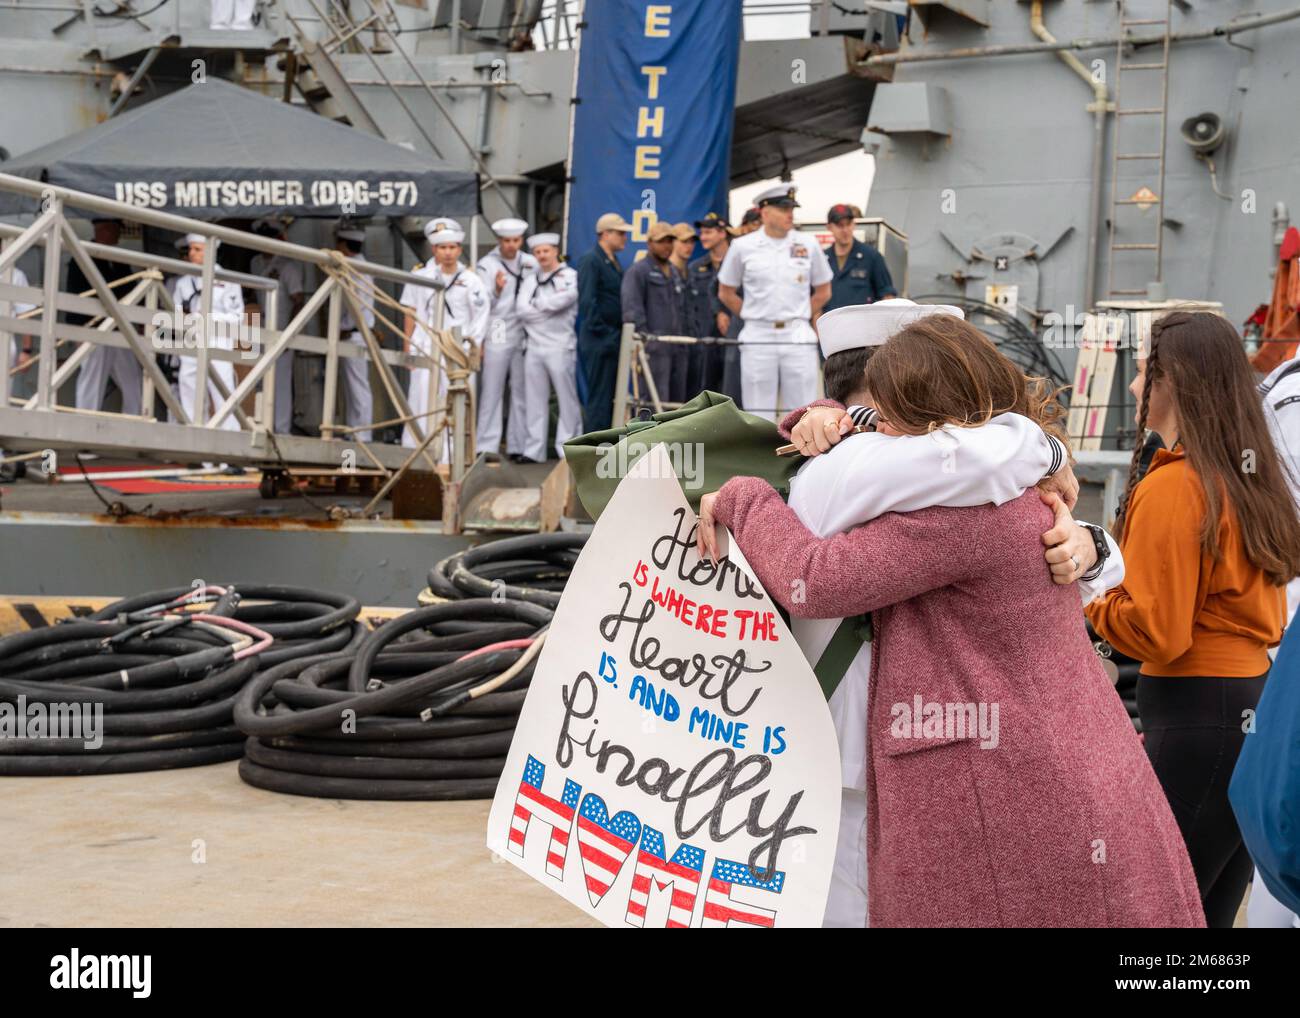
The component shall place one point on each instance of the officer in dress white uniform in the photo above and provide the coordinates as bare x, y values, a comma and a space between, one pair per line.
467, 306
548, 309
355, 371
786, 280
287, 272
227, 318
872, 474
504, 270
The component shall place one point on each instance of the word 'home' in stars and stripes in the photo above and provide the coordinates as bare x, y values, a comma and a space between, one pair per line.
721, 910
605, 842
531, 803
681, 873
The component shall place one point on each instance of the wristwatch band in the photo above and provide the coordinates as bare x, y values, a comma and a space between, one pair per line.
1103, 550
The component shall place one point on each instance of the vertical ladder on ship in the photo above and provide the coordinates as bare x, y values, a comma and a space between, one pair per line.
1131, 241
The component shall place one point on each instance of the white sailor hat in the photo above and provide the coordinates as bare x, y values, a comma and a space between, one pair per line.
447, 236
196, 238
440, 224
538, 239
863, 325
781, 194
510, 227
347, 231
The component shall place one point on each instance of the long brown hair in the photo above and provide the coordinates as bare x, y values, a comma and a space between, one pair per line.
942, 370
1221, 427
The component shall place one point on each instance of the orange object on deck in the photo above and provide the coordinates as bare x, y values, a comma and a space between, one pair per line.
1281, 333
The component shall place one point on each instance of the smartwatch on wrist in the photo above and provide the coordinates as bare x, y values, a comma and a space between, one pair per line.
1103, 550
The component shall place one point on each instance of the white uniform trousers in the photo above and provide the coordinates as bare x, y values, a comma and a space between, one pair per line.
545, 369
356, 387
846, 905
107, 362
417, 395
233, 14
284, 393
187, 378
777, 377
502, 360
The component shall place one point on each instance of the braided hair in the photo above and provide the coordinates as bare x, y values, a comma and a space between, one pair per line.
1139, 444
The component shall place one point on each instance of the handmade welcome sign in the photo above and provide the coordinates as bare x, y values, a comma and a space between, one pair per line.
675, 762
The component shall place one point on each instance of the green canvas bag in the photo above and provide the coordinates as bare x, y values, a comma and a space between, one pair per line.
709, 440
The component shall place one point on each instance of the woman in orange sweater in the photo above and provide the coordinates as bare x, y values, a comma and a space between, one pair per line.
1210, 535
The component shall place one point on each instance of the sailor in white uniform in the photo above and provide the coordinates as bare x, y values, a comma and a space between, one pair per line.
227, 319
874, 474
548, 309
786, 280
291, 293
15, 276
18, 353
467, 306
355, 371
504, 270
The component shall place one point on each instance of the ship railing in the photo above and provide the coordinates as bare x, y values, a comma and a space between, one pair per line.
142, 320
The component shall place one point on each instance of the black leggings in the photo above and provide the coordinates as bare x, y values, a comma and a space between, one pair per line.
1193, 733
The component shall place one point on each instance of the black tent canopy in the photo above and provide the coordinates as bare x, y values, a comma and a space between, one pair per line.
217, 150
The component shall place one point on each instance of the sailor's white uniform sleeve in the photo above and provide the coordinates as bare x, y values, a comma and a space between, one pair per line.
560, 296
875, 474
486, 270
820, 271
732, 272
480, 309
19, 278
291, 277
228, 302
370, 301
1111, 575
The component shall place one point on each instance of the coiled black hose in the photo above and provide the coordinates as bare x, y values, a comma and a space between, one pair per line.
151, 680
533, 568
399, 714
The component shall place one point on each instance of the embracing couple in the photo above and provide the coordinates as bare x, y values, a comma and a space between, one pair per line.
931, 567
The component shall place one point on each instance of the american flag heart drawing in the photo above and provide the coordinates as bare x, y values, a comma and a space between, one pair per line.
604, 843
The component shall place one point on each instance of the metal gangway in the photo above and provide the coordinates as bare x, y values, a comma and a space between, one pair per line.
139, 319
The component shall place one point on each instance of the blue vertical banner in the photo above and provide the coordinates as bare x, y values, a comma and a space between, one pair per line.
652, 126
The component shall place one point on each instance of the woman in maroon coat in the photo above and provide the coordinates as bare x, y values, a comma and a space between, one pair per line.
1005, 785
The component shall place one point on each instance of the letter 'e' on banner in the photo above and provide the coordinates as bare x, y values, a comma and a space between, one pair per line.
675, 763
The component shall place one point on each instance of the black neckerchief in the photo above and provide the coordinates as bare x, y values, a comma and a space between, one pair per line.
548, 281
446, 304
518, 277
